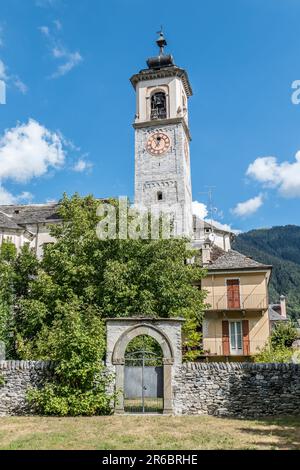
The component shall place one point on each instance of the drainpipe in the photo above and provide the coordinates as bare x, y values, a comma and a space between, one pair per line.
37, 238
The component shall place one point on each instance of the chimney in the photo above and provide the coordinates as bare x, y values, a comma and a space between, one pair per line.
283, 306
206, 253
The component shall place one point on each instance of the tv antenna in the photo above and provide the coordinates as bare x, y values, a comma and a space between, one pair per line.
211, 209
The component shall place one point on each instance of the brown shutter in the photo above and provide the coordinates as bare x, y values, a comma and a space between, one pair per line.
246, 341
225, 337
233, 293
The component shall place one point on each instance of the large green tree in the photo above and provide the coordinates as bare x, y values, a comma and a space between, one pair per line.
112, 277
16, 271
60, 303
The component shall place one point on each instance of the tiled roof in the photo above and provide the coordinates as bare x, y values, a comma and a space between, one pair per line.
6, 221
232, 259
16, 216
274, 315
204, 224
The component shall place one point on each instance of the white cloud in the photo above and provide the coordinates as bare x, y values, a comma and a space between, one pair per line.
72, 60
3, 74
58, 25
44, 30
20, 85
28, 151
7, 198
225, 227
249, 207
51, 201
285, 176
82, 165
69, 59
58, 52
13, 79
199, 209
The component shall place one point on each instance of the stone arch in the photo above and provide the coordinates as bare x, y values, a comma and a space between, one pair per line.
156, 333
166, 331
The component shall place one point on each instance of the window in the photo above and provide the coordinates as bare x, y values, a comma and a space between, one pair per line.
158, 105
233, 293
159, 196
235, 334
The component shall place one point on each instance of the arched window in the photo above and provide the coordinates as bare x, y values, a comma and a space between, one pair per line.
159, 196
158, 105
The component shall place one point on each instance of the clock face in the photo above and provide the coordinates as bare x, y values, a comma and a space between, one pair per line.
158, 143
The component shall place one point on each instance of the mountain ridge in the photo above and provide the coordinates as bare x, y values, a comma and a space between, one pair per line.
280, 247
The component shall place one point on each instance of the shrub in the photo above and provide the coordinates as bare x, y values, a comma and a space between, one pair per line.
76, 344
275, 355
283, 335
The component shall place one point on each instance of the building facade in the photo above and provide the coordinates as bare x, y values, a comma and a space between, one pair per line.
28, 224
236, 321
237, 318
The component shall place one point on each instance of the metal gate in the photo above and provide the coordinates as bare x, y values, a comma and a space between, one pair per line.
143, 387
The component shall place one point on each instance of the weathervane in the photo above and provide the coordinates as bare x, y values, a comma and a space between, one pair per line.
161, 42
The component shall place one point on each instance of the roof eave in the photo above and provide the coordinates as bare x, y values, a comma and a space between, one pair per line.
149, 74
252, 268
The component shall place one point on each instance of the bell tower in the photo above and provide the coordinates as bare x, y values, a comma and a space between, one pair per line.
162, 139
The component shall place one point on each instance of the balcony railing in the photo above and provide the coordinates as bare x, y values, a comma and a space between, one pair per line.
158, 113
246, 302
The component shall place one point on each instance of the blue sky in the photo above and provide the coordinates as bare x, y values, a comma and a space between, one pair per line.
66, 124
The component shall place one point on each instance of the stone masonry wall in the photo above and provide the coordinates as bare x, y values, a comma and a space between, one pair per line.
237, 389
221, 389
18, 376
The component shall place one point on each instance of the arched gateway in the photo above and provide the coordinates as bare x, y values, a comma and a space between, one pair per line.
166, 332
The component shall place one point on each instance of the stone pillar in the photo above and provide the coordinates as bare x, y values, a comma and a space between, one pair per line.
168, 398
119, 405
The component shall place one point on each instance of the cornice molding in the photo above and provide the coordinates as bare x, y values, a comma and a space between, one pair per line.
152, 74
164, 122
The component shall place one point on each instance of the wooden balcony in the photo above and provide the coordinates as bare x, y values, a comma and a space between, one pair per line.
246, 302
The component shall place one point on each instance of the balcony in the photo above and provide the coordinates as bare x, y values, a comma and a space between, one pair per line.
245, 302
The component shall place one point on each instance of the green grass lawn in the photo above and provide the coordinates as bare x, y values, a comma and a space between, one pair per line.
148, 432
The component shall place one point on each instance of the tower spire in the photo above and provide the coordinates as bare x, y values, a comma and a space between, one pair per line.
161, 41
161, 60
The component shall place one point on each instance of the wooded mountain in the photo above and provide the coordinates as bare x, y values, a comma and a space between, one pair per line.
280, 247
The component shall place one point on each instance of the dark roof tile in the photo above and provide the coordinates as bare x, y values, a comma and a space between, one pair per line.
226, 260
274, 315
6, 221
16, 216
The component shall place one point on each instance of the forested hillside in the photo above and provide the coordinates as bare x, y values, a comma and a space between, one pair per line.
279, 246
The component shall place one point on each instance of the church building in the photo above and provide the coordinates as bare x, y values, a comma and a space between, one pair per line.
237, 321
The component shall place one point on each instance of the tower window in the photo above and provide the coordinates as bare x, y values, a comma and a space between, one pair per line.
158, 105
159, 196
